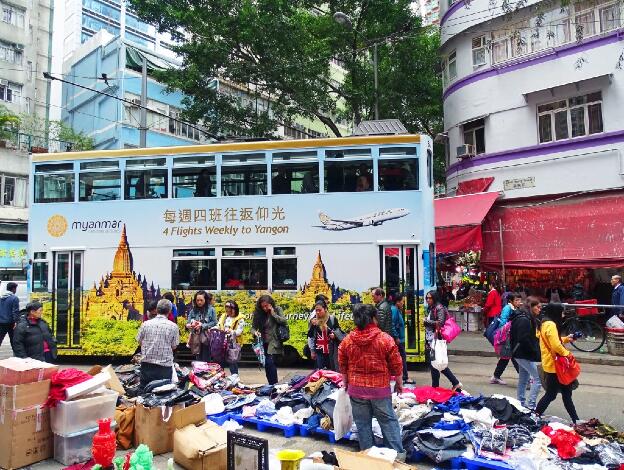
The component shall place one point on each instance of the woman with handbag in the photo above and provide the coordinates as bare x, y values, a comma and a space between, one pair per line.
200, 319
233, 323
436, 316
552, 346
324, 337
269, 325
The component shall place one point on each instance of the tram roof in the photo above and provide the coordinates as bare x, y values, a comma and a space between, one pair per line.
231, 147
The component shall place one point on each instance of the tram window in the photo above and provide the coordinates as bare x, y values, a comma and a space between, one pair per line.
244, 180
12, 275
145, 184
284, 251
397, 151
194, 252
348, 176
194, 182
348, 153
301, 178
429, 167
100, 165
398, 174
192, 274
100, 186
244, 251
40, 276
54, 187
243, 274
285, 273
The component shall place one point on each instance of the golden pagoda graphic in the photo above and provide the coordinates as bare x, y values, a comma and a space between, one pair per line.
318, 283
120, 293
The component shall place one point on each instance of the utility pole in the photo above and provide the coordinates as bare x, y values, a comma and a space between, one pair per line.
376, 83
143, 128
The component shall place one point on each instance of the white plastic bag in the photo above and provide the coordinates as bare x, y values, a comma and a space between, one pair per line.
615, 322
343, 417
440, 354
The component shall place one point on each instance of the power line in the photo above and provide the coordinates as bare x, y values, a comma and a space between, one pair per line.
70, 75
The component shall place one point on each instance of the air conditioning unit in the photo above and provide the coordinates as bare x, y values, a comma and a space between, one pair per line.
466, 151
136, 101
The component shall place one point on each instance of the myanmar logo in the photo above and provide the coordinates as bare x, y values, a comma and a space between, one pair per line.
57, 225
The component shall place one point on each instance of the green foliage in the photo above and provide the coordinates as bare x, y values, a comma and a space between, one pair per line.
103, 337
55, 130
8, 122
281, 50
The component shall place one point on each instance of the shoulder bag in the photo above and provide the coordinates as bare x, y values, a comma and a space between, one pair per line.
283, 332
233, 353
566, 367
450, 330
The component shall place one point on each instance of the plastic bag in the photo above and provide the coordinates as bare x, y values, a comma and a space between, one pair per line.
615, 323
494, 440
258, 348
439, 357
342, 416
450, 330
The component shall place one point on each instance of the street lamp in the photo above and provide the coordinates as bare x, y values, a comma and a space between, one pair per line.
343, 20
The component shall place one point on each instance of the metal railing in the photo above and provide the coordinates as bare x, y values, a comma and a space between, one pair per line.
19, 141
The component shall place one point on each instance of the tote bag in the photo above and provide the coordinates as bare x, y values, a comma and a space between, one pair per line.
439, 352
450, 330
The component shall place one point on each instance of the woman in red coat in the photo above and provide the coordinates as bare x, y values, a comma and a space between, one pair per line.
493, 305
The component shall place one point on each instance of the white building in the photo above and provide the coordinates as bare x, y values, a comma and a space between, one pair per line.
533, 109
429, 11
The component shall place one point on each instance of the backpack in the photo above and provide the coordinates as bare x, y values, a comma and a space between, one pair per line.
491, 329
502, 341
283, 332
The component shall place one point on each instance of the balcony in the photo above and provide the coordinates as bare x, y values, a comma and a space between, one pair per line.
20, 142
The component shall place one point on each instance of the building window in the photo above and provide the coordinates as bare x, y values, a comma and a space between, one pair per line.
194, 274
244, 175
574, 117
145, 179
610, 17
397, 169
102, 9
13, 15
241, 269
40, 272
194, 177
14, 191
295, 173
474, 134
478, 51
10, 92
176, 127
450, 68
11, 53
95, 24
54, 183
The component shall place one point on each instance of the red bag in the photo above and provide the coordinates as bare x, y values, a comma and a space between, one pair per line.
566, 367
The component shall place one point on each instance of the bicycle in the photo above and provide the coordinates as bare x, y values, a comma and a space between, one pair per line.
593, 334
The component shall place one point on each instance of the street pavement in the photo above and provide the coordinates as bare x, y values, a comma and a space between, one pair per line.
599, 394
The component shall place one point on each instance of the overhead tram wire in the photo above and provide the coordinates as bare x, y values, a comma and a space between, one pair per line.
192, 126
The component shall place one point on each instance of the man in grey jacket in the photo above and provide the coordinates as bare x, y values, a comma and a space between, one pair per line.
9, 312
384, 311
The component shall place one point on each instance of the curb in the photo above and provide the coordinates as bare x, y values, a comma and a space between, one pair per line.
600, 359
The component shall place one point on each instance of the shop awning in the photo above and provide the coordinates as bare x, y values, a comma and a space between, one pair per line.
458, 221
477, 185
581, 232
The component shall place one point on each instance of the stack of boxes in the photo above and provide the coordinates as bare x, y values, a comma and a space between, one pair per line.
25, 434
75, 422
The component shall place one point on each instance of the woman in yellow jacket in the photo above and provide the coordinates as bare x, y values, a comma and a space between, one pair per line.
551, 344
233, 323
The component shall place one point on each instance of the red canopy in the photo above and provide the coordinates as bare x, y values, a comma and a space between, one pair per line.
477, 185
458, 221
582, 232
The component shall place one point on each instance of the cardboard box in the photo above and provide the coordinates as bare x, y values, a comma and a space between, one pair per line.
16, 371
15, 397
198, 444
359, 460
154, 427
25, 437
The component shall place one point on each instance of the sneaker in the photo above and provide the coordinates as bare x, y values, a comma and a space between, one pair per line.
458, 388
496, 380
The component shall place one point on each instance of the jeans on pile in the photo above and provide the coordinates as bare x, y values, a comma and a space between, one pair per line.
363, 412
528, 369
502, 365
404, 359
553, 387
151, 372
270, 368
435, 373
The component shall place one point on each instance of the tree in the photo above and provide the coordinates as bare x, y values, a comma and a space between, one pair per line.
8, 122
280, 51
55, 131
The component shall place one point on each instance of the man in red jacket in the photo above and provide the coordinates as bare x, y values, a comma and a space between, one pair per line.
493, 304
368, 358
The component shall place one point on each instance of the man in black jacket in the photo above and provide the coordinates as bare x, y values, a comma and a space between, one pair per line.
384, 311
9, 312
32, 337
526, 350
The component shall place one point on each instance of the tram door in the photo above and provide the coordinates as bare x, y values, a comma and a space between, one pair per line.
399, 273
67, 297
